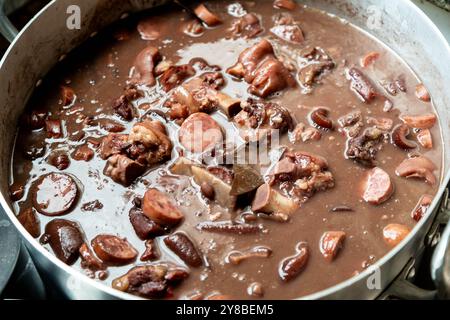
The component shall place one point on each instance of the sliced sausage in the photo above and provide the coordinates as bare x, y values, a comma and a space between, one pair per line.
65, 238
149, 29
200, 132
30, 221
285, 4
425, 121
159, 207
330, 243
54, 194
378, 186
184, 248
394, 233
202, 12
425, 139
417, 167
113, 250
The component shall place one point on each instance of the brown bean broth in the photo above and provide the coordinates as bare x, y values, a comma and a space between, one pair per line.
98, 71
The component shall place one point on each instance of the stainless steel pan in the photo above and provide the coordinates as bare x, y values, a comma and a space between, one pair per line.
399, 24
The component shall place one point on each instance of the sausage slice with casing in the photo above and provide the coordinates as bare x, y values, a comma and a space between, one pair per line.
378, 186
54, 194
159, 207
113, 250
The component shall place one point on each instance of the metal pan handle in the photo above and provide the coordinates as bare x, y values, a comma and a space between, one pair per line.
440, 262
7, 29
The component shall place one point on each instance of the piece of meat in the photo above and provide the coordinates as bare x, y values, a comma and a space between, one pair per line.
122, 169
301, 174
364, 148
417, 167
361, 85
83, 153
113, 250
378, 187
400, 135
184, 248
149, 29
220, 180
67, 96
421, 93
54, 194
319, 117
204, 14
330, 244
113, 144
35, 120
247, 26
314, 64
288, 32
425, 139
262, 70
394, 233
175, 75
144, 227
151, 280
268, 200
424, 121
123, 106
143, 66
200, 132
285, 4
157, 206
258, 118
30, 221
54, 129
89, 260
59, 160
153, 136
193, 28
65, 238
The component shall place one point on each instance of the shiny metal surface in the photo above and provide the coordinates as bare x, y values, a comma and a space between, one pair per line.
399, 24
9, 249
440, 263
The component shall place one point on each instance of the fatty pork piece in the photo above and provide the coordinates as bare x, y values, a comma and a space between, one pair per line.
259, 67
301, 174
128, 156
143, 66
258, 118
364, 148
217, 178
200, 94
